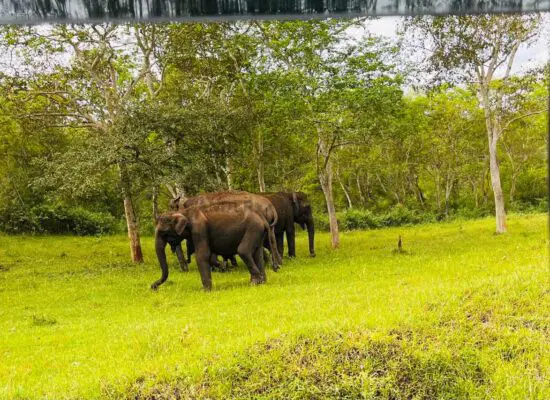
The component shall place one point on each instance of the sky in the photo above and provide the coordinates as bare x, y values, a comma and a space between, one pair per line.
526, 58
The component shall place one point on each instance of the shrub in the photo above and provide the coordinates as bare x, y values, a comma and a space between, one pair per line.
471, 213
400, 215
353, 218
57, 219
321, 222
358, 219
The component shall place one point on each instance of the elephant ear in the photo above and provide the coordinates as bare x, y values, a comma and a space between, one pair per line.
295, 204
181, 223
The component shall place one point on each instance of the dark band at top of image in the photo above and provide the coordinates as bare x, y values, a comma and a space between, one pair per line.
36, 11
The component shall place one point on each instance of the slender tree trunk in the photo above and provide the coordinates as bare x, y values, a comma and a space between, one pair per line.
324, 172
438, 191
261, 180
155, 203
346, 193
448, 191
513, 186
325, 177
360, 190
493, 136
484, 184
131, 221
494, 168
228, 173
260, 166
384, 189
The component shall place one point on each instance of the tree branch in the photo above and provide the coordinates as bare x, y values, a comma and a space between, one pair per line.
508, 123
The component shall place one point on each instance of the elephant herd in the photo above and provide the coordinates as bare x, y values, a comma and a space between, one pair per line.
232, 223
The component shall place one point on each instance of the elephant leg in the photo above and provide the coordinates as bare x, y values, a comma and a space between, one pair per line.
291, 241
259, 260
183, 263
245, 251
190, 250
233, 261
279, 237
203, 261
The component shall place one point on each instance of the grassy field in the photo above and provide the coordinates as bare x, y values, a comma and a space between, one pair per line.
462, 313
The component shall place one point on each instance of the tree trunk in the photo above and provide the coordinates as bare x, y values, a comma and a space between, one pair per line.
228, 173
448, 190
493, 136
513, 185
155, 204
484, 185
131, 221
360, 190
500, 212
346, 193
325, 178
438, 191
260, 166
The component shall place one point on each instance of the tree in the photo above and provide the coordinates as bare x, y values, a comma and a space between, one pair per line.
476, 49
92, 92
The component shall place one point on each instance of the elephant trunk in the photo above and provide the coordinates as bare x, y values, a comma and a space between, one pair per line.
311, 235
160, 245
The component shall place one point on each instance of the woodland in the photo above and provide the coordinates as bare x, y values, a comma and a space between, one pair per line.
101, 125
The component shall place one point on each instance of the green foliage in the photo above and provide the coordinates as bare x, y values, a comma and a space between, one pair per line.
365, 219
57, 219
278, 105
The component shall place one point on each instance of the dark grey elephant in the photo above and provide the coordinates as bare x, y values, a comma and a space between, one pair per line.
221, 229
258, 203
291, 207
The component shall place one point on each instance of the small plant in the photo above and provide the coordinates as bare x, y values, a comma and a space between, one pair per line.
42, 320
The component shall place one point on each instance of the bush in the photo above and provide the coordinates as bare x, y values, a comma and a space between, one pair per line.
400, 215
57, 219
321, 222
358, 219
471, 213
353, 219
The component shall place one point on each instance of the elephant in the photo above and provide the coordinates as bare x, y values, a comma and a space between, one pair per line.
291, 207
174, 205
258, 203
223, 229
215, 264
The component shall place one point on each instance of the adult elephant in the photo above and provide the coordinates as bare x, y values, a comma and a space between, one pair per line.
220, 229
291, 207
176, 204
258, 203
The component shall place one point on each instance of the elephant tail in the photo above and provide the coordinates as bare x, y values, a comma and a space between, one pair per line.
275, 216
276, 258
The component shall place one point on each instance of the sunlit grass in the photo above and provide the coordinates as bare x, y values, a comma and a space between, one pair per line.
78, 320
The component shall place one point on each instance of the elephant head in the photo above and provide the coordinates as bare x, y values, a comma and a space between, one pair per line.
303, 216
171, 229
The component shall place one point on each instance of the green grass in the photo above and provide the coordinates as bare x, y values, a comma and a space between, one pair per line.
462, 313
